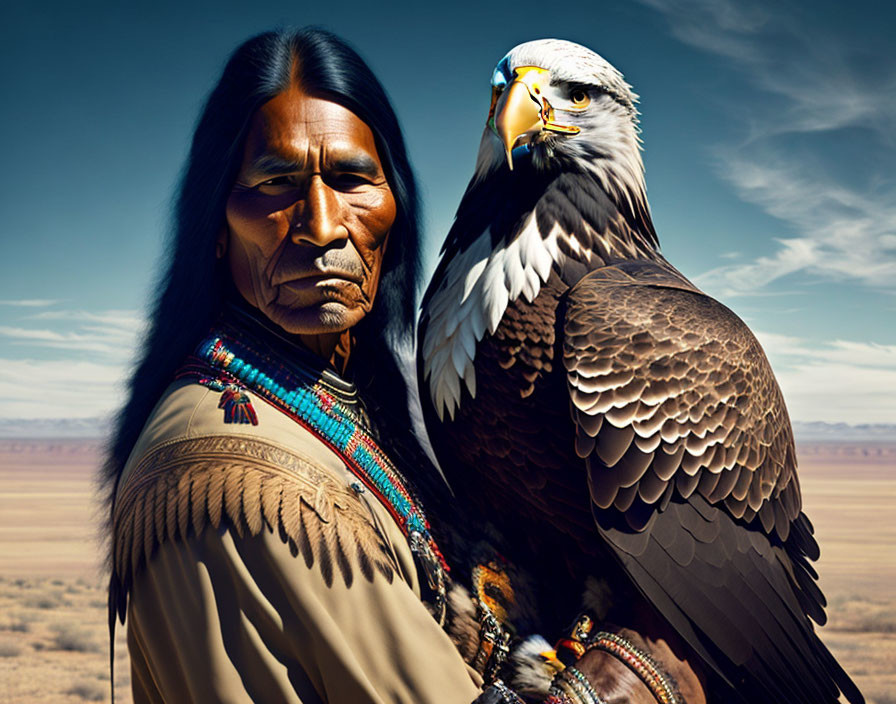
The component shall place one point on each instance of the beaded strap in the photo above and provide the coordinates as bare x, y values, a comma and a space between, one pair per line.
581, 683
639, 662
572, 687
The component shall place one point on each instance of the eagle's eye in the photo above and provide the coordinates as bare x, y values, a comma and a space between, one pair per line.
579, 98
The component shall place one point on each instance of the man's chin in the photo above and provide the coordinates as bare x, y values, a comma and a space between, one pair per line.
321, 319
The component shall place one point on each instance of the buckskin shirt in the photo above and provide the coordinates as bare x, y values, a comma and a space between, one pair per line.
257, 564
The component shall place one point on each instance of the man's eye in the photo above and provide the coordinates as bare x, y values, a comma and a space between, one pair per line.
349, 181
275, 186
276, 181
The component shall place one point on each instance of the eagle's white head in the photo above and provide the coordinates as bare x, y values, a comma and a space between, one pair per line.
565, 107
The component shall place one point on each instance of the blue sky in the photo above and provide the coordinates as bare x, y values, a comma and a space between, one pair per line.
770, 146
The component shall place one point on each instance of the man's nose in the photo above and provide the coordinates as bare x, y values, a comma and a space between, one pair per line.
321, 220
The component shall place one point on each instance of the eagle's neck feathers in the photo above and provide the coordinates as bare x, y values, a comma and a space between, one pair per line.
575, 225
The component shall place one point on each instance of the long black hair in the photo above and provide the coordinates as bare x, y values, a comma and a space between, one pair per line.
194, 282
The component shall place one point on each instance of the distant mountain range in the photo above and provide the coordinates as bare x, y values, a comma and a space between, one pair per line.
99, 427
841, 432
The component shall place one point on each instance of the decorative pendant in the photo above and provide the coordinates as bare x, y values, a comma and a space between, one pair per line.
493, 596
431, 574
234, 400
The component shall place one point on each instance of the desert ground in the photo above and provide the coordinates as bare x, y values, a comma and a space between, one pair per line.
53, 632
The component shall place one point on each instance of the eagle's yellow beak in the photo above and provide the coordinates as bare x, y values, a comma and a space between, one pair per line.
521, 111
516, 114
552, 661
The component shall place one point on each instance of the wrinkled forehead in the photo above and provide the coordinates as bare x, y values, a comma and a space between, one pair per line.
567, 62
295, 123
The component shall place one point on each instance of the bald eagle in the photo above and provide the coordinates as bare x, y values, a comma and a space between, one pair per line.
598, 408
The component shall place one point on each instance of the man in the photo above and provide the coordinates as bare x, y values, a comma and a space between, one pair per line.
264, 545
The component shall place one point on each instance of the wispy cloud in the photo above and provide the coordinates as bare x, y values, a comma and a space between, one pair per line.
121, 318
815, 82
29, 303
842, 381
846, 235
719, 26
58, 363
91, 340
784, 53
112, 333
59, 388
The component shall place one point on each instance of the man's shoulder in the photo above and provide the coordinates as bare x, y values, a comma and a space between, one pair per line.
192, 471
191, 411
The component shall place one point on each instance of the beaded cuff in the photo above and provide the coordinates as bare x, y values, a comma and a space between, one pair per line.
639, 662
572, 687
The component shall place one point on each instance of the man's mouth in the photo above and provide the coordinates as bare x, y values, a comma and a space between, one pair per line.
319, 287
313, 277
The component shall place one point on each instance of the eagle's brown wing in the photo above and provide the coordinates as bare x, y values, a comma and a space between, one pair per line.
692, 474
671, 390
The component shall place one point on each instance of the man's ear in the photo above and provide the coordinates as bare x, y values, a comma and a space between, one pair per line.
221, 242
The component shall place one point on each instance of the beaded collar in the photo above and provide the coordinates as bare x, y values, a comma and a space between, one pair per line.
246, 354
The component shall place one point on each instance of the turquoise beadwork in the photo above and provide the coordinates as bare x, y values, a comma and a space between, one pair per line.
328, 418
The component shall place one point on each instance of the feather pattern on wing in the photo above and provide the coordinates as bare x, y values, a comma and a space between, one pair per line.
685, 393
675, 374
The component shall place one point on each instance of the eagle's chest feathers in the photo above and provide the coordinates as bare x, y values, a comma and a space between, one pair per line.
518, 424
473, 297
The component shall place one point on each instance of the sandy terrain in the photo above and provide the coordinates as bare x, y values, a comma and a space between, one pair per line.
849, 492
53, 633
52, 603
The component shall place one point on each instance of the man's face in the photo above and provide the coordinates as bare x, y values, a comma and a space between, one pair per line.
309, 215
